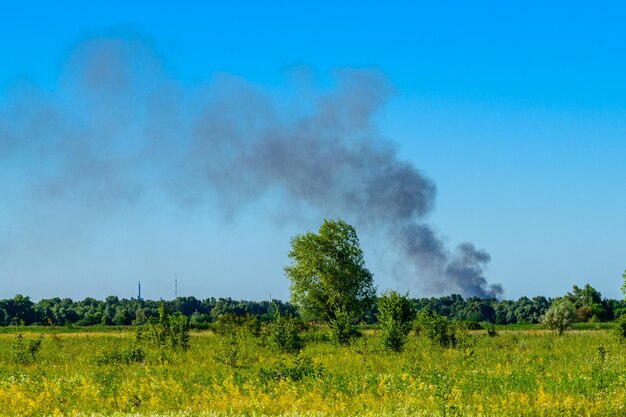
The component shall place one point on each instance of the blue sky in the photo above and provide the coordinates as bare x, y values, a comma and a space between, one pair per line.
516, 112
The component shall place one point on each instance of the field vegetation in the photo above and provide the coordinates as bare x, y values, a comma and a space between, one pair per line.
428, 357
235, 372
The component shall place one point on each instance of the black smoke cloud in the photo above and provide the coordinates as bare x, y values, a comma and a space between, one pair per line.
119, 126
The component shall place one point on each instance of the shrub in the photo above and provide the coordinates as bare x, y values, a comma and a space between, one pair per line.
491, 330
342, 331
584, 314
285, 334
302, 367
179, 332
24, 351
441, 330
229, 322
126, 356
168, 330
559, 316
395, 317
199, 321
472, 325
620, 329
235, 349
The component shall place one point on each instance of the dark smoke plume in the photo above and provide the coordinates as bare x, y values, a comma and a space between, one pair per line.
119, 127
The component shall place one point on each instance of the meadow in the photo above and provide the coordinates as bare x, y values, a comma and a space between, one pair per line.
519, 372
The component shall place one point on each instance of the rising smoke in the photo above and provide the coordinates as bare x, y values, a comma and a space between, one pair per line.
118, 126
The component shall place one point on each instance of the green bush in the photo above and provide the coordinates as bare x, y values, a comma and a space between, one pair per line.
236, 349
441, 330
491, 329
620, 327
472, 325
126, 356
168, 330
229, 323
302, 367
24, 351
559, 316
395, 317
285, 334
342, 331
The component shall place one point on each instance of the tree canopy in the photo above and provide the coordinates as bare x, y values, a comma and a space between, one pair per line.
328, 274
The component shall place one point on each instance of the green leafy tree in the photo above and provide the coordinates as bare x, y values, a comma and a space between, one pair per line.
329, 281
559, 316
395, 316
624, 285
21, 310
122, 317
588, 303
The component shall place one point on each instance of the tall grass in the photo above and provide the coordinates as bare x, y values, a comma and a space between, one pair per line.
517, 373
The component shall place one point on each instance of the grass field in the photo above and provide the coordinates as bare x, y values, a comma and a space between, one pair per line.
520, 372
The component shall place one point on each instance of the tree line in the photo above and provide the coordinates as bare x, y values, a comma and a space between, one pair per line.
20, 310
329, 284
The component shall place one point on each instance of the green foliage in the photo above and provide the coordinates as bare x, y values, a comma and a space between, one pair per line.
342, 331
285, 334
472, 325
624, 285
620, 328
179, 332
395, 317
235, 349
24, 351
522, 372
199, 321
491, 330
559, 316
588, 304
124, 357
168, 330
237, 339
441, 330
4, 317
91, 314
329, 281
229, 323
302, 366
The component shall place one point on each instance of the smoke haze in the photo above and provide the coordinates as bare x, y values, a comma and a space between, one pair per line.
119, 128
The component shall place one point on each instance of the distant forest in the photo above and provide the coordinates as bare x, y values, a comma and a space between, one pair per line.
20, 310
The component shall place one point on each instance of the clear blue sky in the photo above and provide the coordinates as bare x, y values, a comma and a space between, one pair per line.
516, 111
